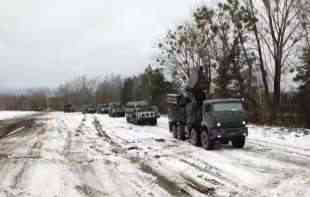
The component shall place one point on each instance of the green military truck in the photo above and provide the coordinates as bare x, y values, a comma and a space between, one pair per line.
116, 110
68, 108
89, 109
140, 112
204, 121
103, 108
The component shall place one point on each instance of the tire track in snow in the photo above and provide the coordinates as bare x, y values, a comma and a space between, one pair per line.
73, 163
173, 144
175, 189
90, 183
281, 148
285, 156
172, 188
32, 135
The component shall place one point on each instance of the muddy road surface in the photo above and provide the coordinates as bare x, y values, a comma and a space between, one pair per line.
66, 155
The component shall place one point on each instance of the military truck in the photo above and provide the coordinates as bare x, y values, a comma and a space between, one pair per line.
203, 121
140, 112
116, 110
103, 108
68, 108
91, 109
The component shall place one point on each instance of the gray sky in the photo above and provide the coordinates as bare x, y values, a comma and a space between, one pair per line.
46, 42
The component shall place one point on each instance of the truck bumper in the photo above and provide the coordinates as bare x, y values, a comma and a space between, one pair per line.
147, 120
228, 133
119, 114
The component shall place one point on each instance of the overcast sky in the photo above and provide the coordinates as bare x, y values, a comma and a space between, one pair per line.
46, 42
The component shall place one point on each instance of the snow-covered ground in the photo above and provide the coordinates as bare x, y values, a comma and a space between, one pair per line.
4, 115
94, 155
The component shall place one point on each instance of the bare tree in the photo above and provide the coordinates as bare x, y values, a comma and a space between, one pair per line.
183, 50
280, 32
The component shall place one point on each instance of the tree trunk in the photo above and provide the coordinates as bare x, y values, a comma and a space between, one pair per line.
261, 61
276, 88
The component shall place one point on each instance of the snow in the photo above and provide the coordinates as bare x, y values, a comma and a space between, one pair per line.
4, 115
71, 154
287, 136
247, 170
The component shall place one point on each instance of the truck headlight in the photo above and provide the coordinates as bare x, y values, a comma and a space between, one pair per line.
218, 124
244, 122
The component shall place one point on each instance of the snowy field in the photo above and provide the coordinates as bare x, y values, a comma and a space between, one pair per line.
76, 155
4, 115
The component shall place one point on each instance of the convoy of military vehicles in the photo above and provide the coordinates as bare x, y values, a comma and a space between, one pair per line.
204, 122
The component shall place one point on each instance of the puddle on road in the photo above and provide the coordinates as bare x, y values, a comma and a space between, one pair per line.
8, 128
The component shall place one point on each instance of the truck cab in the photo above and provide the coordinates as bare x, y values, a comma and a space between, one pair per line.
116, 110
103, 108
223, 120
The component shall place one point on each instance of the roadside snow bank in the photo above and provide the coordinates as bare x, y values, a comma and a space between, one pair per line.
4, 115
281, 135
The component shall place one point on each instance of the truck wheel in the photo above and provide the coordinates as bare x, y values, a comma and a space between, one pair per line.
238, 142
195, 137
205, 141
174, 131
154, 122
181, 132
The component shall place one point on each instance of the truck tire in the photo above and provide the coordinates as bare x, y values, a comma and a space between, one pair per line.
205, 141
195, 137
174, 131
181, 132
154, 122
238, 142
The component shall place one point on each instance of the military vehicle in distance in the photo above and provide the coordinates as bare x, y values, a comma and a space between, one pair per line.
204, 121
68, 108
116, 110
91, 109
103, 108
140, 112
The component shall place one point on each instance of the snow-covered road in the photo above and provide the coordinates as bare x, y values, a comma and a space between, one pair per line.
73, 155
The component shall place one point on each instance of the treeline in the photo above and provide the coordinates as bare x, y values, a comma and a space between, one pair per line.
151, 85
250, 49
33, 99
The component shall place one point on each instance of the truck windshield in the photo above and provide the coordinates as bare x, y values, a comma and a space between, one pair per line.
233, 106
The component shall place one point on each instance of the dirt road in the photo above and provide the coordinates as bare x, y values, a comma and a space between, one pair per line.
93, 155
